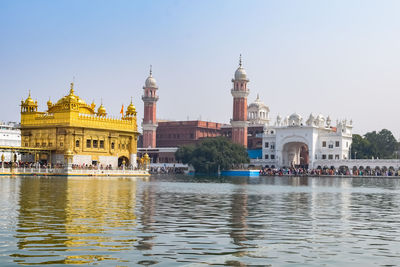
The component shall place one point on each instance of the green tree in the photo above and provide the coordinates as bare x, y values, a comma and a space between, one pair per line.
381, 145
213, 153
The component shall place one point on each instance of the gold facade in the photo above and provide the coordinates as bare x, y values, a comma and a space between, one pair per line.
73, 127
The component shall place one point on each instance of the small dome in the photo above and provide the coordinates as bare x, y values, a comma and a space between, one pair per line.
131, 110
101, 111
240, 74
295, 120
295, 116
29, 100
150, 81
259, 104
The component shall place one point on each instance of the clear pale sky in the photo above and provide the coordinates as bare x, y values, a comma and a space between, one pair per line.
338, 58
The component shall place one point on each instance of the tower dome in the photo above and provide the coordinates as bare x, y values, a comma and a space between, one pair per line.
240, 73
150, 81
258, 112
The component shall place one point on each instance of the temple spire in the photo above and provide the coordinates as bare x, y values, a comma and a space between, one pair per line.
71, 91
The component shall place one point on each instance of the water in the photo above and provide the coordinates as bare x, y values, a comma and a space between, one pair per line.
187, 221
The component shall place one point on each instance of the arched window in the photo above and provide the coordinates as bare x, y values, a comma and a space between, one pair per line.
77, 143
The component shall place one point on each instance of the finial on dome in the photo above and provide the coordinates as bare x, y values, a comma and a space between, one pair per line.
71, 91
240, 60
258, 96
151, 70
29, 93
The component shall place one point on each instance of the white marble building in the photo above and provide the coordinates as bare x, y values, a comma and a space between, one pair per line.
10, 136
292, 141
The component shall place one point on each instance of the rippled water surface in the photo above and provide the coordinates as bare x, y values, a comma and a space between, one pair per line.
187, 221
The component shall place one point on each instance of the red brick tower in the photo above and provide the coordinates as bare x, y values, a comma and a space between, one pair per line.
149, 124
240, 92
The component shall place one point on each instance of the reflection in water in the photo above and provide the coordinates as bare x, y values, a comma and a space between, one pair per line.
239, 213
71, 220
147, 219
173, 220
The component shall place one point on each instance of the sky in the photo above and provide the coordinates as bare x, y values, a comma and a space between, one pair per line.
336, 58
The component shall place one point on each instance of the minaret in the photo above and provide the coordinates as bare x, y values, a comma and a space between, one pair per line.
240, 92
150, 99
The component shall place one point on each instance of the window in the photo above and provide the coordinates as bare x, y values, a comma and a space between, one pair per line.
61, 144
101, 143
266, 145
88, 143
330, 146
272, 156
123, 146
77, 143
43, 144
112, 145
95, 142
266, 156
336, 156
316, 156
337, 144
324, 156
26, 144
330, 156
119, 146
323, 144
272, 145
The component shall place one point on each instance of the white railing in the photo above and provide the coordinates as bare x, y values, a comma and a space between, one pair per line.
28, 170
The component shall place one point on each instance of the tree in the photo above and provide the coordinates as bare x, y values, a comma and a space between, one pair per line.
212, 154
381, 145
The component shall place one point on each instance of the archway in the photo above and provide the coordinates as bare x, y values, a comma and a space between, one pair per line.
295, 154
122, 160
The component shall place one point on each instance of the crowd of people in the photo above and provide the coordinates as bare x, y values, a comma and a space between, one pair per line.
327, 172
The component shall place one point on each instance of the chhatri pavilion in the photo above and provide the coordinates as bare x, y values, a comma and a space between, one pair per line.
74, 132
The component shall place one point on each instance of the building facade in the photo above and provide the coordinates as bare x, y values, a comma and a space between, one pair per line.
10, 136
178, 133
73, 131
293, 143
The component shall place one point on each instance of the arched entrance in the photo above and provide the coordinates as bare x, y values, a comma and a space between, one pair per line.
123, 160
295, 154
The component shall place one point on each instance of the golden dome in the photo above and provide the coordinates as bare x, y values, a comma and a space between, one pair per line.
49, 103
101, 111
29, 100
131, 110
72, 101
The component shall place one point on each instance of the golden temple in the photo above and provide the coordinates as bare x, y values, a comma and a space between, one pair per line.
74, 132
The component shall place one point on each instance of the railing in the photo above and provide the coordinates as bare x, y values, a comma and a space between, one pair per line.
28, 170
